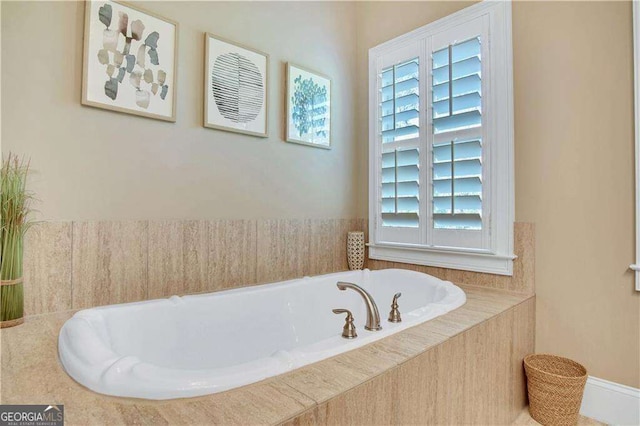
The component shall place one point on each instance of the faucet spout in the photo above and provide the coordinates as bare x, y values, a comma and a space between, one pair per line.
373, 316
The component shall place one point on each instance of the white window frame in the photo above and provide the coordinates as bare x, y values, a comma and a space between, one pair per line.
497, 255
636, 68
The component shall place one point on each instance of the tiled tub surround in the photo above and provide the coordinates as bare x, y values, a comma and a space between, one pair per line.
463, 367
74, 265
208, 343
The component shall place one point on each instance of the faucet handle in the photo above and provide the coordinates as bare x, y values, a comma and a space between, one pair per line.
394, 315
349, 330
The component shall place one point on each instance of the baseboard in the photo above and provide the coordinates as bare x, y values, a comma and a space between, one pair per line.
610, 402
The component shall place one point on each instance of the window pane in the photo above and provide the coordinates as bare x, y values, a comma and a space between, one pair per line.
465, 49
387, 78
442, 205
467, 67
441, 58
465, 120
468, 204
464, 85
407, 71
458, 221
440, 75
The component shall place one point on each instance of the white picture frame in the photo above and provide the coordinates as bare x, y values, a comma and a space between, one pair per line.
129, 60
308, 124
244, 110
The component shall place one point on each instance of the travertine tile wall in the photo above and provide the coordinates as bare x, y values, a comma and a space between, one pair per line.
108, 263
178, 261
522, 281
73, 265
47, 268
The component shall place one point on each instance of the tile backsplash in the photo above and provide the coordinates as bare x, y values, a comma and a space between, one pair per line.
74, 265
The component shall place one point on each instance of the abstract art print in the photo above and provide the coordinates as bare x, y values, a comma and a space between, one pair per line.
308, 107
235, 83
129, 60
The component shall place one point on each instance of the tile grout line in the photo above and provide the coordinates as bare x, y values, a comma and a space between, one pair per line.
315, 404
185, 256
308, 256
71, 272
147, 263
255, 229
207, 251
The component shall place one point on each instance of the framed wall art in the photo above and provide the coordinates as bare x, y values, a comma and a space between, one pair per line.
130, 60
236, 80
308, 107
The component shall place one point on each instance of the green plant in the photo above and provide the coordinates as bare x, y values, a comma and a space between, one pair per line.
15, 203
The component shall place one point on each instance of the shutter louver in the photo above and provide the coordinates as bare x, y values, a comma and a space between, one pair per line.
457, 161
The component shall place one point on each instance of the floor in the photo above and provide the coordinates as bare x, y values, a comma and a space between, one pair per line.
524, 419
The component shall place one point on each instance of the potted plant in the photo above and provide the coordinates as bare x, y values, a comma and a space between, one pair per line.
14, 209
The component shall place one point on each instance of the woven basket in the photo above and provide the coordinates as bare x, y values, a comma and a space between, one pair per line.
14, 313
555, 386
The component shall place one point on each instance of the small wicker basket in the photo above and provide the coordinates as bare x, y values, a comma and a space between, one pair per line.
555, 386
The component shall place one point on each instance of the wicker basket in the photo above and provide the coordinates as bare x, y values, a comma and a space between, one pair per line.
12, 297
555, 386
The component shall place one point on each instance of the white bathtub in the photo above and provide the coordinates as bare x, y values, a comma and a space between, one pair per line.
201, 344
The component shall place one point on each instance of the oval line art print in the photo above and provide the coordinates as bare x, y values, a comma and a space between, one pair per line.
237, 88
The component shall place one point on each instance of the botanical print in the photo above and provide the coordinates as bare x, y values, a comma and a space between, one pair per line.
129, 63
309, 102
236, 88
309, 107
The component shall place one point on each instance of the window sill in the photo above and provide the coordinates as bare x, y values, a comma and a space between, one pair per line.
476, 261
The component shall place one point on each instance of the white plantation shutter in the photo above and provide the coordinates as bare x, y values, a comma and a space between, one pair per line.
441, 143
400, 128
457, 161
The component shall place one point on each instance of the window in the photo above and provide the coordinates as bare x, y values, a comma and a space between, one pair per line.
636, 48
441, 143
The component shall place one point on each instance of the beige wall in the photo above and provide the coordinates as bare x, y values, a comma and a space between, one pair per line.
96, 164
574, 167
574, 178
